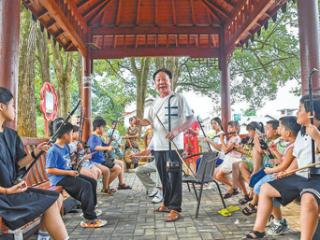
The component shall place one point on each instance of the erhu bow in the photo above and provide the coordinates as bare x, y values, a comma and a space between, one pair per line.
51, 140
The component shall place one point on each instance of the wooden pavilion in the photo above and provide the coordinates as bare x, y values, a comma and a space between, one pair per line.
105, 29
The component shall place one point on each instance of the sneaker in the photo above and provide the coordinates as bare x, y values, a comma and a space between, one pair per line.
98, 213
157, 198
43, 235
98, 223
278, 228
153, 192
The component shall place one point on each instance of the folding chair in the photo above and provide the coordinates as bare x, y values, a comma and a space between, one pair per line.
203, 176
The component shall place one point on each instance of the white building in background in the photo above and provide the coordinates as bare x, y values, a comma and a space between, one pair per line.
288, 112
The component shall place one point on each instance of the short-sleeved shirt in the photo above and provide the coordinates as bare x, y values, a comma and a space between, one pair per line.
58, 157
235, 140
281, 147
180, 111
216, 140
11, 152
303, 153
93, 142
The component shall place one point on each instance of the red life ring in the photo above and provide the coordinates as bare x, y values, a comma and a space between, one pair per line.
48, 88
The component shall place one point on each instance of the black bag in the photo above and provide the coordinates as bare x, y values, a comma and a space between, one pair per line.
109, 162
172, 165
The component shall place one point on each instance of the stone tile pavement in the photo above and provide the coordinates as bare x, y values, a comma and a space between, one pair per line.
130, 215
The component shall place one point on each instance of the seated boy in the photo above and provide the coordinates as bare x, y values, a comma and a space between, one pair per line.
288, 130
60, 173
304, 184
96, 144
231, 156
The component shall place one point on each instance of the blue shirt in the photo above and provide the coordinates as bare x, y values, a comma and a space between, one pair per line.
58, 157
93, 142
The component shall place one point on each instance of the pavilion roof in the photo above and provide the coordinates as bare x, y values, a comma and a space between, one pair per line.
124, 28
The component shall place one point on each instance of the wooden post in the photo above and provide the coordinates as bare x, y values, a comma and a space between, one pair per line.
9, 47
225, 90
225, 82
86, 97
308, 16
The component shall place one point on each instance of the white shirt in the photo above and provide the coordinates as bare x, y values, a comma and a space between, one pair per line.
217, 140
302, 152
179, 108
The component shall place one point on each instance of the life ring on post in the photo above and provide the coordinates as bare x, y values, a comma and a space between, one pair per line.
48, 101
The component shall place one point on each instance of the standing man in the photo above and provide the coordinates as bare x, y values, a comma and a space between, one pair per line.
181, 118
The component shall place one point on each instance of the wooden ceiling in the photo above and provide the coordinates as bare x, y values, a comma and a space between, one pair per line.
124, 28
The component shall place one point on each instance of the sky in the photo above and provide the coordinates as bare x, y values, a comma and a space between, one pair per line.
203, 105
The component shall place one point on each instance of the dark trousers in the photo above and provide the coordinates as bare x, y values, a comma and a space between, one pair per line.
83, 189
171, 181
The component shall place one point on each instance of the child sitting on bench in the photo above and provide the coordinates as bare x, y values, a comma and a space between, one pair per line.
96, 143
241, 170
77, 150
60, 173
288, 130
231, 156
304, 184
20, 204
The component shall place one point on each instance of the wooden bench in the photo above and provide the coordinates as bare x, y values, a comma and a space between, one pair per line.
36, 178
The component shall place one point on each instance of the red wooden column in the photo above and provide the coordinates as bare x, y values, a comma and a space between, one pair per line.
9, 46
308, 16
225, 90
86, 97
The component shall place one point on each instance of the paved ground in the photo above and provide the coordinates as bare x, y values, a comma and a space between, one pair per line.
131, 216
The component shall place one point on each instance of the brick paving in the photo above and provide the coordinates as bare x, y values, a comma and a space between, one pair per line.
130, 215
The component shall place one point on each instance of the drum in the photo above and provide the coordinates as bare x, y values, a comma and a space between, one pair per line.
129, 161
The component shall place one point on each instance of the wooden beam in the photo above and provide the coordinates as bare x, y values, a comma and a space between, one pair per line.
260, 9
138, 12
99, 12
112, 53
65, 24
154, 30
93, 11
174, 18
58, 34
216, 8
75, 12
235, 11
118, 10
155, 12
213, 14
85, 5
192, 12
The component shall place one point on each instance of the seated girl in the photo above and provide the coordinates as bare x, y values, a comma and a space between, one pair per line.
20, 204
288, 130
242, 170
303, 184
77, 150
231, 156
215, 143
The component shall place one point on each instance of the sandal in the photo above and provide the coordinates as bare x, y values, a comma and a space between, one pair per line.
244, 200
255, 235
93, 223
162, 209
108, 192
124, 187
250, 209
227, 195
173, 216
